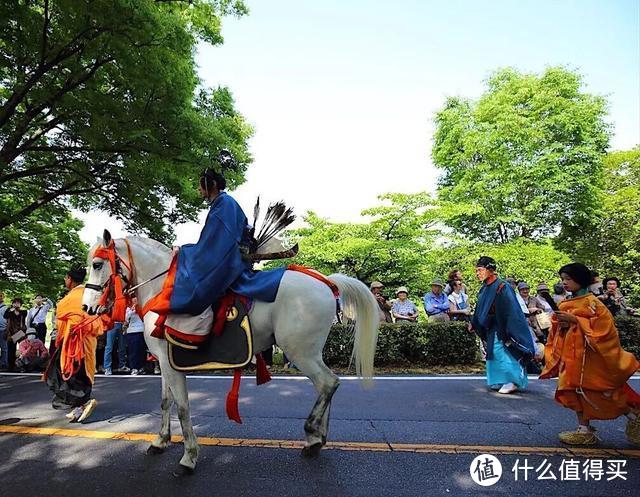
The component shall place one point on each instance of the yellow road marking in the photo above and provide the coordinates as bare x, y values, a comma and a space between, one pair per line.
350, 446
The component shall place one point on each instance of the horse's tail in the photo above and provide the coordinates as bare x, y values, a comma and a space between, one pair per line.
359, 305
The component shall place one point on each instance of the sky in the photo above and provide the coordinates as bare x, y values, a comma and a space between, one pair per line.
342, 94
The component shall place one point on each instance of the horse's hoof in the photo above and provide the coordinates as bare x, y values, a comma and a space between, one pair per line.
183, 471
312, 451
152, 450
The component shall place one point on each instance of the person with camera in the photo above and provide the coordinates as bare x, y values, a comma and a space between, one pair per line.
613, 299
459, 308
16, 319
37, 316
33, 355
537, 311
384, 307
404, 310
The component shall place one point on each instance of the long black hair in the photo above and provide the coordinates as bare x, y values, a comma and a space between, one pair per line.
208, 177
224, 161
579, 273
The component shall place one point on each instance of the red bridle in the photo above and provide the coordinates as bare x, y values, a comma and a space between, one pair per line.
115, 298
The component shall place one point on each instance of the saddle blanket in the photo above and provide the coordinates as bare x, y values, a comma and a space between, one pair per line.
229, 346
190, 328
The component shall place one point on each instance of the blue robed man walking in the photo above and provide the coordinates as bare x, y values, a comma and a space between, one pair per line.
500, 323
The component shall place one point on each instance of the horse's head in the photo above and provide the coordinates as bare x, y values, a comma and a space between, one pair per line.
99, 274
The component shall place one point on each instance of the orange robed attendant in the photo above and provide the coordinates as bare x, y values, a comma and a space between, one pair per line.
583, 350
73, 368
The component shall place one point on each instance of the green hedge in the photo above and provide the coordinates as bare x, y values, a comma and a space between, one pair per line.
438, 344
406, 344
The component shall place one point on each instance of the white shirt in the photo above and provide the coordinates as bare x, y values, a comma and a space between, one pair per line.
459, 300
135, 324
40, 314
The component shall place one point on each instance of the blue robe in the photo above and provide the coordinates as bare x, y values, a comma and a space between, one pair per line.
206, 270
497, 319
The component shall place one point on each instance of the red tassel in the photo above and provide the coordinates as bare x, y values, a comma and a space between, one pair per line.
220, 317
262, 373
233, 413
120, 303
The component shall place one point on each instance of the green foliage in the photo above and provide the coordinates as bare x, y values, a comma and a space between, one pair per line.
401, 244
391, 247
629, 332
614, 247
527, 156
522, 259
434, 344
402, 344
36, 254
100, 108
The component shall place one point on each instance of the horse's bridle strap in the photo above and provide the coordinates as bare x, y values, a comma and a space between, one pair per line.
115, 289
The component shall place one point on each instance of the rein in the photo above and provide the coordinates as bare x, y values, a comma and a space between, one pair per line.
134, 288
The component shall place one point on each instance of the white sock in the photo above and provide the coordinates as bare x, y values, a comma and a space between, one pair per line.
583, 429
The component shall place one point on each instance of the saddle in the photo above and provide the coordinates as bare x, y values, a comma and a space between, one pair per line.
229, 345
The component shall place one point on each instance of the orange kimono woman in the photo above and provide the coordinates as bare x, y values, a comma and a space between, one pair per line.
584, 353
72, 369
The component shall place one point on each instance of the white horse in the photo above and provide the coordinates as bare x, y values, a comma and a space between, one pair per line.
298, 321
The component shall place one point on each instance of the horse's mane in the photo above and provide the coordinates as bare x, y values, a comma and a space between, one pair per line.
148, 242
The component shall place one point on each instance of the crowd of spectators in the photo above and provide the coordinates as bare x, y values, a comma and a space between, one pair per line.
450, 301
23, 332
23, 335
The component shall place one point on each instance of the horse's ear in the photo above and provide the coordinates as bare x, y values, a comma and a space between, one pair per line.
106, 238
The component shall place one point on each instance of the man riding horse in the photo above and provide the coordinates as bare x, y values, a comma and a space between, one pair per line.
203, 272
293, 308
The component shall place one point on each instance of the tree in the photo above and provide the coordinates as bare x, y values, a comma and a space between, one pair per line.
35, 255
402, 242
391, 245
614, 247
528, 155
100, 108
522, 259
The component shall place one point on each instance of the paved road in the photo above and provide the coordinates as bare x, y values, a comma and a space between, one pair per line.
409, 436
